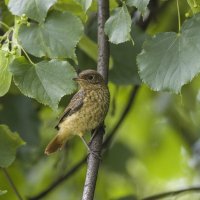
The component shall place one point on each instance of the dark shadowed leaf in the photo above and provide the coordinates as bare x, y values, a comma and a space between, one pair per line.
34, 9
9, 143
170, 60
20, 114
141, 5
124, 69
47, 82
57, 37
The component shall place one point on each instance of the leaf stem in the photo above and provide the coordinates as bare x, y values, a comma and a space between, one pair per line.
12, 184
5, 25
179, 16
27, 55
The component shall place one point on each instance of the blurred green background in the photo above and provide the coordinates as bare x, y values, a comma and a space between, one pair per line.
156, 149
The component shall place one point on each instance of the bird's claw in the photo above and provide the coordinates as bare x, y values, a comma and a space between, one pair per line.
95, 154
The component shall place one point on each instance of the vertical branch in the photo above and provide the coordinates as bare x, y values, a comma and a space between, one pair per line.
102, 68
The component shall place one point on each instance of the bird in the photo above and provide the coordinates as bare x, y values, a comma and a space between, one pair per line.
85, 112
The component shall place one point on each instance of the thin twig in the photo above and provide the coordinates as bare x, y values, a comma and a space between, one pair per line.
5, 25
107, 141
102, 68
60, 180
172, 193
12, 184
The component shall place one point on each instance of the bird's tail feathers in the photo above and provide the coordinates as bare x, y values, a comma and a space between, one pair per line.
57, 143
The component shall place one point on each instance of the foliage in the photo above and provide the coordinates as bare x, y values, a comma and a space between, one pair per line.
9, 142
157, 146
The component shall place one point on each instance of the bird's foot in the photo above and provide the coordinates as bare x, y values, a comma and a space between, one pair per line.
95, 154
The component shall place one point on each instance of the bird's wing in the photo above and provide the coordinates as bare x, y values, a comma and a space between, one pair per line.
74, 105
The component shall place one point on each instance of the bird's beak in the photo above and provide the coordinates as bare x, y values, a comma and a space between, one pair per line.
77, 79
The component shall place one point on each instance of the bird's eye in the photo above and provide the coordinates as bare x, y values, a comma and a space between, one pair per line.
90, 77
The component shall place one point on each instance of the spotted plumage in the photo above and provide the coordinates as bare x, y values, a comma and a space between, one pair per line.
86, 110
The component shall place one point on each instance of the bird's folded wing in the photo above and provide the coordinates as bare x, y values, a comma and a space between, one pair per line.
75, 104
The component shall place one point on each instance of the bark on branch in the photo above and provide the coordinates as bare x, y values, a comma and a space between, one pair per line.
102, 68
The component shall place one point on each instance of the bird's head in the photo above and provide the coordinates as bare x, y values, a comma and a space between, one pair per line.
90, 78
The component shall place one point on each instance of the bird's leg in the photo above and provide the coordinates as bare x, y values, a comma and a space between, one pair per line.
89, 150
95, 132
85, 143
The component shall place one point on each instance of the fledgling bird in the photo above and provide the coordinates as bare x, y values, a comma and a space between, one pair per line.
85, 112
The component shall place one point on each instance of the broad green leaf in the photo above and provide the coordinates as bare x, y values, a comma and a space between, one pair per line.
85, 4
2, 192
45, 81
57, 37
124, 69
170, 60
194, 5
34, 9
71, 6
5, 75
118, 26
141, 5
9, 143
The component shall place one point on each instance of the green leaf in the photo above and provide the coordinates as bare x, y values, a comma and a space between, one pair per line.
71, 6
194, 5
57, 37
34, 9
124, 69
118, 26
85, 4
9, 143
141, 5
5, 75
170, 60
19, 107
45, 81
2, 192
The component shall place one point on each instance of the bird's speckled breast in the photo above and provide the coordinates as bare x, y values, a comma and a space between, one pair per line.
92, 113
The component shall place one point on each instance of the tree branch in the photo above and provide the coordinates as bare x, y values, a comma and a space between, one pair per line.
172, 193
102, 68
12, 184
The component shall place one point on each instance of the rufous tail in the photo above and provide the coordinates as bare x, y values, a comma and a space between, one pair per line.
55, 144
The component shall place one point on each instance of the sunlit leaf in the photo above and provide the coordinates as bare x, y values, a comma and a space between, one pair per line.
9, 143
118, 26
45, 81
5, 75
170, 60
141, 5
2, 192
194, 5
55, 38
85, 3
34, 9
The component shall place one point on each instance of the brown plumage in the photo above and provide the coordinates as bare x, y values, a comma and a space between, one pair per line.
86, 110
